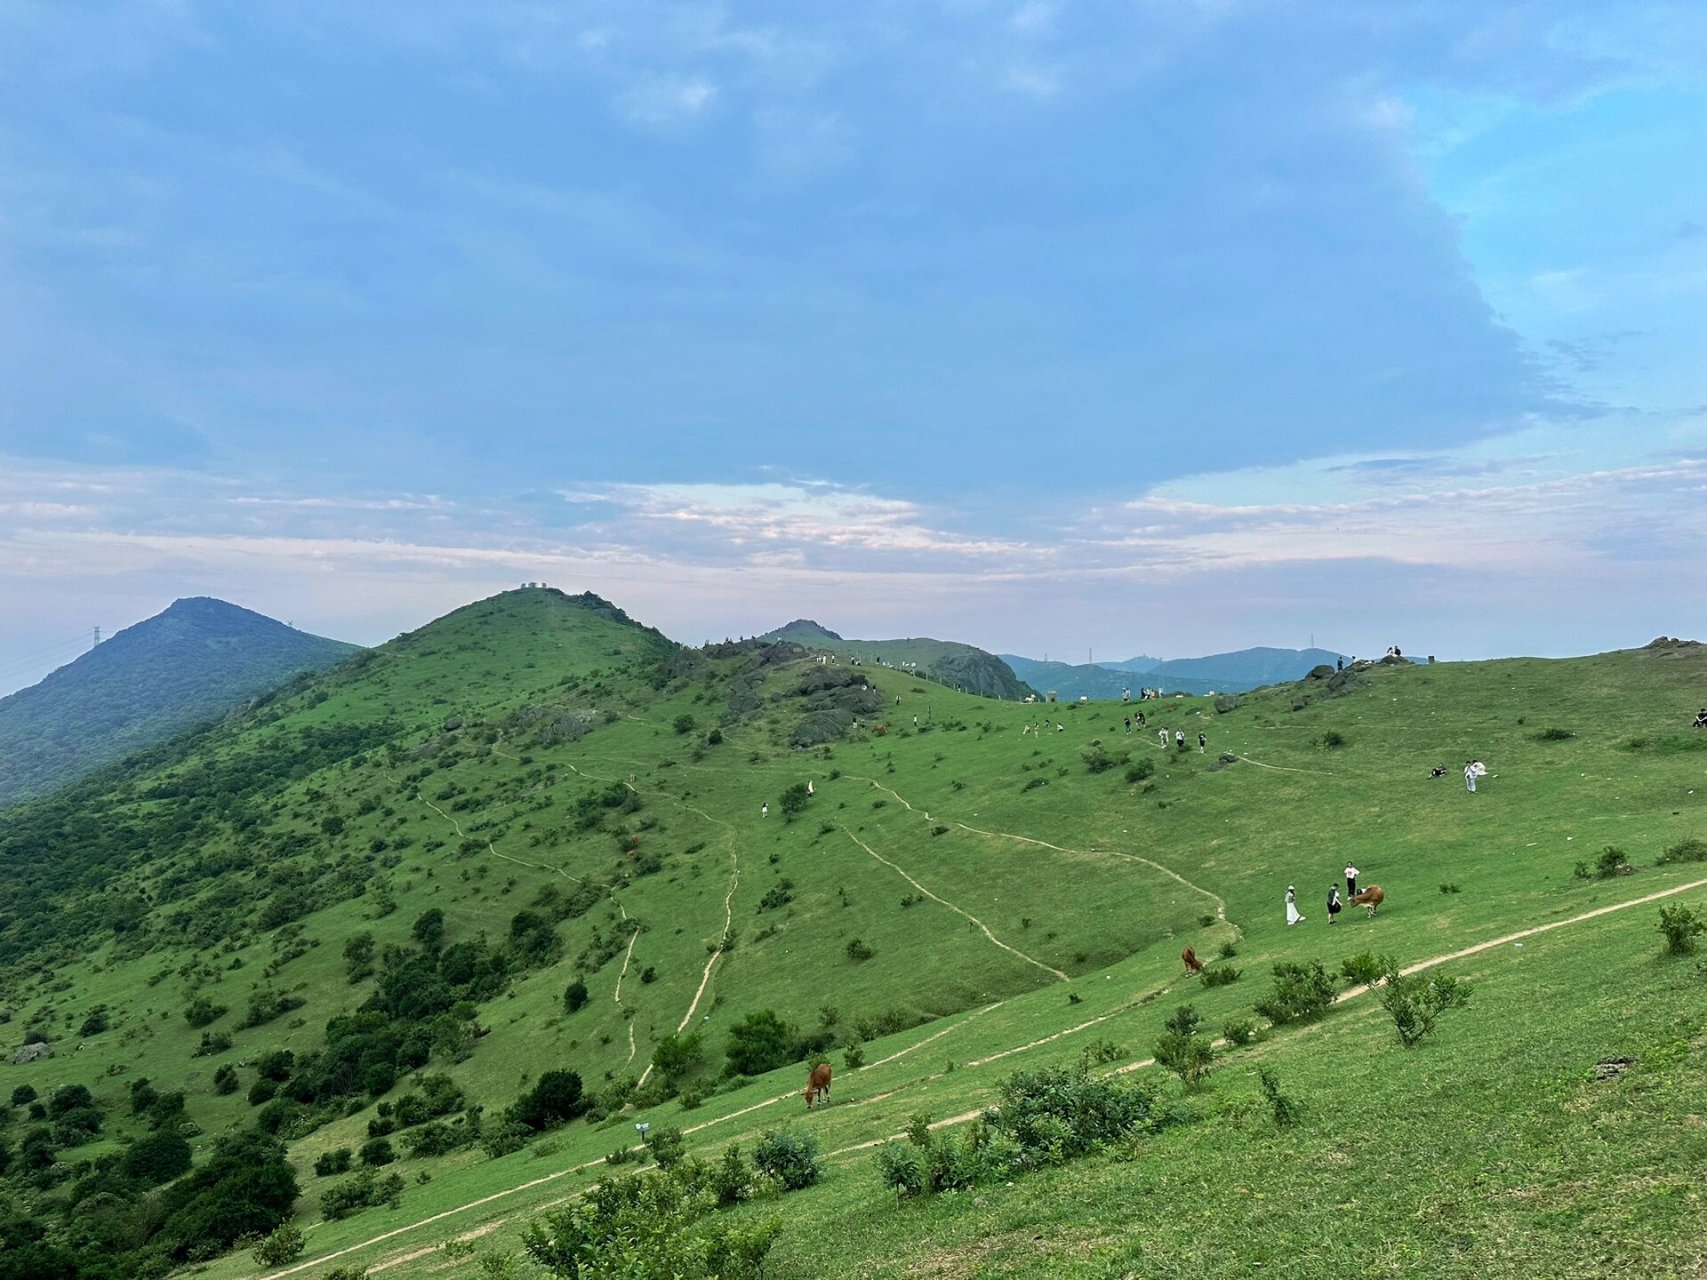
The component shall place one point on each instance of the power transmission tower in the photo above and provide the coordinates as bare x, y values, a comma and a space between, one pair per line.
97, 637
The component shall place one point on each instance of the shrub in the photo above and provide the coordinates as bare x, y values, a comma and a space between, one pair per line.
212, 1042
362, 1190
1239, 1031
94, 1024
1680, 926
575, 996
225, 1080
1610, 863
858, 951
853, 1057
330, 1163
1688, 849
376, 1152
684, 723
202, 1011
1363, 969
1415, 1002
1227, 951
1054, 1114
758, 1043
23, 1095
1300, 993
1554, 735
649, 1225
1140, 769
554, 1098
284, 1245
667, 1146
1181, 1050
790, 1158
1284, 1108
1221, 977
731, 1180
1332, 739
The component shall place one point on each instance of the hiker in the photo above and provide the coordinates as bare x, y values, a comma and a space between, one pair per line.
1202, 742
1179, 739
1162, 733
809, 790
1292, 914
1128, 724
1439, 771
1470, 776
1339, 663
1333, 902
764, 810
1700, 719
1141, 720
1351, 874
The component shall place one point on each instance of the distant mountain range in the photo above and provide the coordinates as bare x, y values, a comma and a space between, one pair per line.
190, 663
1234, 672
960, 666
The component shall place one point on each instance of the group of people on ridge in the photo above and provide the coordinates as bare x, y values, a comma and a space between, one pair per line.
1335, 902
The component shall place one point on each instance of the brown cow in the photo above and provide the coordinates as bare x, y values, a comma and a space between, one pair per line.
1372, 897
1193, 966
818, 1084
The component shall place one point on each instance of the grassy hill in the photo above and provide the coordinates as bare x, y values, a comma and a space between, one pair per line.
960, 666
405, 865
1235, 672
190, 663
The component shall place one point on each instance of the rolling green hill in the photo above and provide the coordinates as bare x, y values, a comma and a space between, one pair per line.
960, 666
196, 660
536, 837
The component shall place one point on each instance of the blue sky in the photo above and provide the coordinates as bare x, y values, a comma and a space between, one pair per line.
1152, 326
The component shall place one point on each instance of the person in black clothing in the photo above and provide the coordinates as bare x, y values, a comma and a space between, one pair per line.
1333, 903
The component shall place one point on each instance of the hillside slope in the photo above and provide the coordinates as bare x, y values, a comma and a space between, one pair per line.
960, 666
536, 837
195, 660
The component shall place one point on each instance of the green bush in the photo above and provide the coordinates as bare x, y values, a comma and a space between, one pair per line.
1239, 1031
858, 951
1417, 1001
362, 1190
1220, 977
284, 1245
1363, 969
1285, 1109
1553, 735
329, 1163
667, 1146
790, 1158
1611, 862
1301, 992
1689, 849
650, 1226
376, 1152
1681, 927
575, 996
202, 1011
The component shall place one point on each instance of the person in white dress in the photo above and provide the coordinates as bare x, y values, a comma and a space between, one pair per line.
1292, 915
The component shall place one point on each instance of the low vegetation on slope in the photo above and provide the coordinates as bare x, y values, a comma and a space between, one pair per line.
456, 916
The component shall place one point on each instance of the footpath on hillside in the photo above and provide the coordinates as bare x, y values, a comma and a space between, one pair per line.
416, 1253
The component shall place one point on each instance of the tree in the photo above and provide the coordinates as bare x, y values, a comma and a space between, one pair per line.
1417, 1000
575, 996
758, 1043
794, 801
429, 931
247, 1187
555, 1097
677, 1056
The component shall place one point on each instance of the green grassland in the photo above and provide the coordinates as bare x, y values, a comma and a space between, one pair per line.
1013, 906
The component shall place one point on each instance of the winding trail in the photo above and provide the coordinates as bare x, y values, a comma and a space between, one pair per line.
963, 1118
1217, 899
965, 915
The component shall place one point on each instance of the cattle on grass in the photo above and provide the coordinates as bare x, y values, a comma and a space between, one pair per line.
1372, 897
818, 1084
1193, 966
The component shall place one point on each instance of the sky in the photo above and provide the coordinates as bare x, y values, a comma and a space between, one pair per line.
1157, 327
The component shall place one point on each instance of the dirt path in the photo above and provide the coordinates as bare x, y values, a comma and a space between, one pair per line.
965, 915
963, 1118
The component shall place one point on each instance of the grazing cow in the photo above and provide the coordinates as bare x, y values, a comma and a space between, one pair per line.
818, 1084
1193, 966
1372, 897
